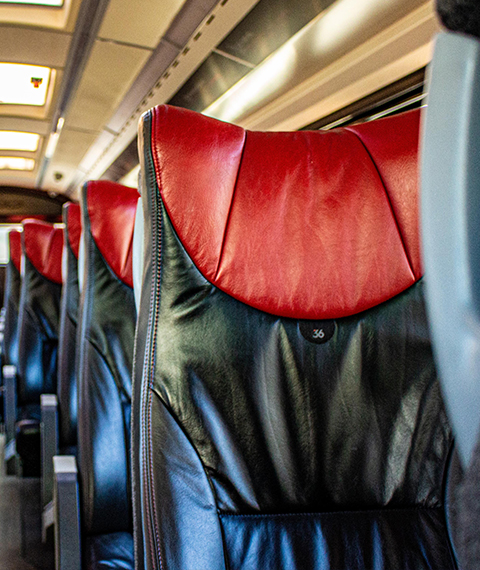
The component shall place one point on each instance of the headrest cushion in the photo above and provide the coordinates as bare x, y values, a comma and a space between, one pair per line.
111, 212
15, 246
310, 225
73, 224
43, 245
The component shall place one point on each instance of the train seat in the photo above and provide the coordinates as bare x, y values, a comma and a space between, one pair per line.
59, 411
107, 318
66, 377
12, 299
39, 312
9, 349
287, 412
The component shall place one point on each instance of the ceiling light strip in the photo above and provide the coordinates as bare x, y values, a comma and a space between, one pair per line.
17, 140
86, 28
16, 163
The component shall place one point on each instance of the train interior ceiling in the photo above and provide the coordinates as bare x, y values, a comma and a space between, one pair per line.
262, 64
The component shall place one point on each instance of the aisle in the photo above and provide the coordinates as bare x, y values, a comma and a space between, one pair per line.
17, 527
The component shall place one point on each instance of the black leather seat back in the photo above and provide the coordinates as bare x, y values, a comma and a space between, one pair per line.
105, 345
67, 380
12, 299
287, 411
39, 312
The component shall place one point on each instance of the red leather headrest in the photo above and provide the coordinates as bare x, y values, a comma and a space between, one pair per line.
43, 245
74, 226
15, 245
311, 225
111, 211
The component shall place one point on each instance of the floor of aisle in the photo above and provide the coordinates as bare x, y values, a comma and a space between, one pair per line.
21, 546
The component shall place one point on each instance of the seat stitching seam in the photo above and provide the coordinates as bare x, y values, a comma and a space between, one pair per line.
222, 247
407, 255
157, 276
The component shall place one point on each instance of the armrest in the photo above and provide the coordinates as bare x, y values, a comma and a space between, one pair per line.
66, 513
49, 443
10, 407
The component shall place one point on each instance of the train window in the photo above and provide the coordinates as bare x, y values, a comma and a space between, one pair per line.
16, 140
22, 84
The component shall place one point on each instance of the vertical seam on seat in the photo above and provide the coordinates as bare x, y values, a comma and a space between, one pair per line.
174, 417
227, 221
154, 309
400, 233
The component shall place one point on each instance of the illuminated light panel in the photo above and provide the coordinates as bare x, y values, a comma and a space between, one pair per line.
16, 163
258, 84
23, 84
16, 140
56, 3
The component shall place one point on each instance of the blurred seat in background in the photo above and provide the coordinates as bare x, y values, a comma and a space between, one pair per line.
39, 312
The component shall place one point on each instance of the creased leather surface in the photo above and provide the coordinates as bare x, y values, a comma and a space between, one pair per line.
281, 425
38, 336
409, 539
112, 551
228, 194
66, 379
107, 328
43, 244
391, 145
15, 247
73, 222
239, 415
113, 234
12, 302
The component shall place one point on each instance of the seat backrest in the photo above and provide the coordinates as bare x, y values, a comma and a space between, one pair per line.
105, 352
39, 312
12, 298
66, 379
287, 412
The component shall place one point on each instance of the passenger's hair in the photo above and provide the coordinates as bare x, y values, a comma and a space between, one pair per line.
460, 15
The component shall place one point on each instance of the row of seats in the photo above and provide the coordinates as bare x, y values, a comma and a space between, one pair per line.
286, 409
31, 329
106, 324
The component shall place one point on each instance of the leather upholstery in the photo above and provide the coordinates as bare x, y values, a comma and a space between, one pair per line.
105, 344
114, 245
354, 193
42, 245
39, 311
66, 379
107, 551
259, 440
12, 299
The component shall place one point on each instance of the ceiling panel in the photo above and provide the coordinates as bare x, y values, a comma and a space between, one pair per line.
37, 47
109, 73
139, 23
216, 74
72, 146
270, 24
27, 125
